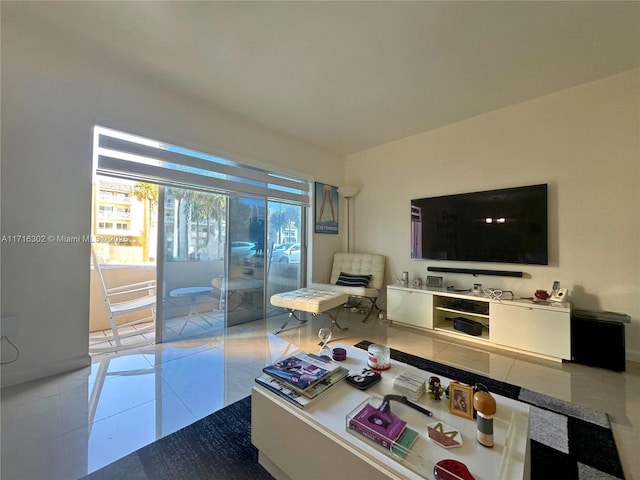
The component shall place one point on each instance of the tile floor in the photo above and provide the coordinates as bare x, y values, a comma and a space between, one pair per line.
65, 426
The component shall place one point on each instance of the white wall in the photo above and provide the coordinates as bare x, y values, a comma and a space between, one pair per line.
584, 142
53, 92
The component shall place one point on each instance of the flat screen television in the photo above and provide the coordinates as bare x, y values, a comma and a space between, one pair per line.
503, 226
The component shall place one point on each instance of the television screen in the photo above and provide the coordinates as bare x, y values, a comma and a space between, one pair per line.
504, 226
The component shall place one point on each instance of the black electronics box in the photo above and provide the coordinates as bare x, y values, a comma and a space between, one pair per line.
467, 326
598, 339
468, 306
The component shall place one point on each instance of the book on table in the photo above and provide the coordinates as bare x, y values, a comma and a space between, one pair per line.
404, 442
384, 428
302, 370
298, 397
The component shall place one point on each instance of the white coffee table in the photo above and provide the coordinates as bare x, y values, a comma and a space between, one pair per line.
315, 443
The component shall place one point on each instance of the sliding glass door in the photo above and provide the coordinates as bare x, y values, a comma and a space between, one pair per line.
242, 289
286, 252
193, 258
229, 235
224, 256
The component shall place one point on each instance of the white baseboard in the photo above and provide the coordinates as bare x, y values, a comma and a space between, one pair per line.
633, 355
27, 375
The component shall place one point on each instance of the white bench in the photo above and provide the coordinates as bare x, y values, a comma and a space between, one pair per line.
324, 297
310, 300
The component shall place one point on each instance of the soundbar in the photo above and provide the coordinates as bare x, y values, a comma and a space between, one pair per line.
475, 272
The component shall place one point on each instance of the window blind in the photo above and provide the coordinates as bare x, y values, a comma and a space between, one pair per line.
122, 155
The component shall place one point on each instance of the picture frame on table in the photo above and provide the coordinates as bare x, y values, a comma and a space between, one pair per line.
461, 400
326, 208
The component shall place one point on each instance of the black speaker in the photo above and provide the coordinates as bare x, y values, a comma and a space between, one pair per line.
467, 326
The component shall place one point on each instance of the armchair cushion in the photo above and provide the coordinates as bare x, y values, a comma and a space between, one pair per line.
360, 264
367, 264
353, 280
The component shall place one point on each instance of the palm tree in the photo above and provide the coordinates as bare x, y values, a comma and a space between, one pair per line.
284, 218
147, 193
219, 205
181, 222
277, 220
204, 208
292, 215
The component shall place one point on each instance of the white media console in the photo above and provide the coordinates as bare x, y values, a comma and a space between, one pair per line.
537, 328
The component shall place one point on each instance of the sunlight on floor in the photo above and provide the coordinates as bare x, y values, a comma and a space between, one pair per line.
66, 426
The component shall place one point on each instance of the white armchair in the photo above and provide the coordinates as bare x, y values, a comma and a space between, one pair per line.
354, 268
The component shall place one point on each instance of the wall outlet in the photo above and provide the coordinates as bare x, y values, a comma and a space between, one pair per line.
9, 325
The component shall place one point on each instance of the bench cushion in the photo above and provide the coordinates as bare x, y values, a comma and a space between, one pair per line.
312, 300
356, 264
351, 291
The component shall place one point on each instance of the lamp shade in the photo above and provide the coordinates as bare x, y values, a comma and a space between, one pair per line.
348, 191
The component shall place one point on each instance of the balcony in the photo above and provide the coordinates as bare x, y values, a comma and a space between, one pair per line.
177, 322
213, 311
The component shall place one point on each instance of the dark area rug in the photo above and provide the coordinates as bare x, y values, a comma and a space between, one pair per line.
215, 447
568, 442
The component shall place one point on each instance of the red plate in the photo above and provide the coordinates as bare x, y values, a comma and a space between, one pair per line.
450, 469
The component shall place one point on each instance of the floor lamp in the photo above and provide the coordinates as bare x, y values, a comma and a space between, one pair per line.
348, 193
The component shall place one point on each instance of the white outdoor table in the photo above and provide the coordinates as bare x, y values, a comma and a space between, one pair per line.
192, 292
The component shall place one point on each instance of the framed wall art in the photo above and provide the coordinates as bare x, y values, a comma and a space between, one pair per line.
326, 208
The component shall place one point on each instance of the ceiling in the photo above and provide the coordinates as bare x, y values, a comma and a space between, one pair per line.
347, 76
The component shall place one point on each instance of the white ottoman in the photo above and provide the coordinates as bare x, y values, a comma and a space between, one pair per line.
311, 300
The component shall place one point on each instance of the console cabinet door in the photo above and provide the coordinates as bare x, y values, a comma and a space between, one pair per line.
538, 330
410, 307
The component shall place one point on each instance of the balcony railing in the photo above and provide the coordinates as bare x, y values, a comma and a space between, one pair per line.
108, 214
115, 198
120, 233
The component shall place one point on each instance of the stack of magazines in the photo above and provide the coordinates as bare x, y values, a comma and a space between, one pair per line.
413, 386
301, 378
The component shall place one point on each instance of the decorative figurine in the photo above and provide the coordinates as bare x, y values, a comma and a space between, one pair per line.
485, 405
324, 334
435, 388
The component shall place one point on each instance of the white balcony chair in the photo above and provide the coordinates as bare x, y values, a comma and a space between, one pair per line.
121, 300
